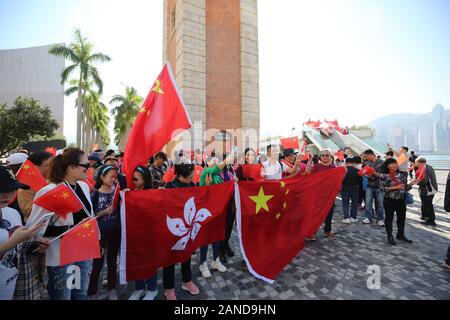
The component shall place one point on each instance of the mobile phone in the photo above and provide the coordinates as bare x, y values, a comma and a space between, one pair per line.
46, 219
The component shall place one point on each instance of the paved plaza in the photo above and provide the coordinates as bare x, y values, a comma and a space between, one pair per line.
338, 269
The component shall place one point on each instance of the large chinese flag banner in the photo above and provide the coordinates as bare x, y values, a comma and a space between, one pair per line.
274, 217
164, 227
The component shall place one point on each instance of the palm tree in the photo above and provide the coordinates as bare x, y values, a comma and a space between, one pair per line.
125, 112
98, 119
80, 54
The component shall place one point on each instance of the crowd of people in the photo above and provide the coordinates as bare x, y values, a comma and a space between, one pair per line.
30, 265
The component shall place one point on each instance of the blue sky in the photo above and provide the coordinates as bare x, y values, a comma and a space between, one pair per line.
353, 60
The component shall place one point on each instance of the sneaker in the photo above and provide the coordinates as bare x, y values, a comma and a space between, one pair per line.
137, 295
380, 223
346, 221
112, 295
105, 282
170, 294
366, 221
205, 270
353, 220
150, 295
216, 264
191, 287
314, 238
330, 235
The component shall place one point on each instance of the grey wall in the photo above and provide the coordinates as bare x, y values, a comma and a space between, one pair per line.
34, 73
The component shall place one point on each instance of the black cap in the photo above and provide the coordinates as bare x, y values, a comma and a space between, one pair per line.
288, 152
8, 181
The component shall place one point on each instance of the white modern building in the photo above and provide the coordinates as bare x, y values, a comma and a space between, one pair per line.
33, 73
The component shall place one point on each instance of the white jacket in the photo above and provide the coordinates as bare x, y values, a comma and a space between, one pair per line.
52, 254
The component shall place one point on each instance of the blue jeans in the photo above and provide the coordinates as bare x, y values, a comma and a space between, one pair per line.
204, 252
378, 195
64, 284
354, 197
149, 283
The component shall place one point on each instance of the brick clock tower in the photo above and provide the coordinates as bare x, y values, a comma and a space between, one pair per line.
212, 46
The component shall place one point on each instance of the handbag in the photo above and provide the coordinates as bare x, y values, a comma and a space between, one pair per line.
409, 199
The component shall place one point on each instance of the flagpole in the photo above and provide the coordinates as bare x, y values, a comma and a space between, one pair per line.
82, 204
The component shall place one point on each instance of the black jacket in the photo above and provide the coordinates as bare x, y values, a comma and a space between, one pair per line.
447, 195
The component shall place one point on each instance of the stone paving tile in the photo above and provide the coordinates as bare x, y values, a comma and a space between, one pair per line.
337, 269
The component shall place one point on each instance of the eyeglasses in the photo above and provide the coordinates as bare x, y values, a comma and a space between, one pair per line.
84, 165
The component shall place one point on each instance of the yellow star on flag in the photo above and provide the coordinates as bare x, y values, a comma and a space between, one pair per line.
87, 225
26, 167
283, 184
285, 205
261, 200
157, 88
142, 110
287, 192
278, 216
65, 195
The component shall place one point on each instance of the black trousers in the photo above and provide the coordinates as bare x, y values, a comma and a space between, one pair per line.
169, 274
428, 208
329, 219
392, 207
231, 217
110, 244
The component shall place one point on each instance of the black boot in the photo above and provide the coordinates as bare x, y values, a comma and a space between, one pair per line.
391, 241
403, 238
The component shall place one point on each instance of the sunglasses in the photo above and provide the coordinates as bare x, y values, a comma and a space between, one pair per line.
84, 165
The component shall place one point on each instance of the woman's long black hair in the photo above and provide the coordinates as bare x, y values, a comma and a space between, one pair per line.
146, 175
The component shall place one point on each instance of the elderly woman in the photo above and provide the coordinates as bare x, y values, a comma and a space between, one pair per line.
394, 184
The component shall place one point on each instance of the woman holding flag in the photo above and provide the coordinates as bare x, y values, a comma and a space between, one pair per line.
104, 202
67, 171
142, 179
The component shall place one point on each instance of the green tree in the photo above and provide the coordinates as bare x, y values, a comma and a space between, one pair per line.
25, 120
125, 112
82, 59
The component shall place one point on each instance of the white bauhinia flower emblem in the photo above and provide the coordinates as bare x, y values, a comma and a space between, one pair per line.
193, 218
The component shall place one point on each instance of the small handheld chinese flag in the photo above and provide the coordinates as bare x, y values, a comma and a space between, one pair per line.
30, 175
61, 200
366, 171
290, 143
169, 176
51, 150
197, 173
420, 173
116, 196
252, 171
80, 243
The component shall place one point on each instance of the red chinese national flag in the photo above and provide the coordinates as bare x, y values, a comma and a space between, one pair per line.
274, 217
252, 171
162, 116
80, 243
60, 200
168, 229
197, 173
51, 150
116, 196
366, 171
30, 175
290, 143
169, 176
420, 173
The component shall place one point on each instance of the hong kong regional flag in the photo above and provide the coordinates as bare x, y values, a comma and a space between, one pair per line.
161, 117
274, 217
170, 227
